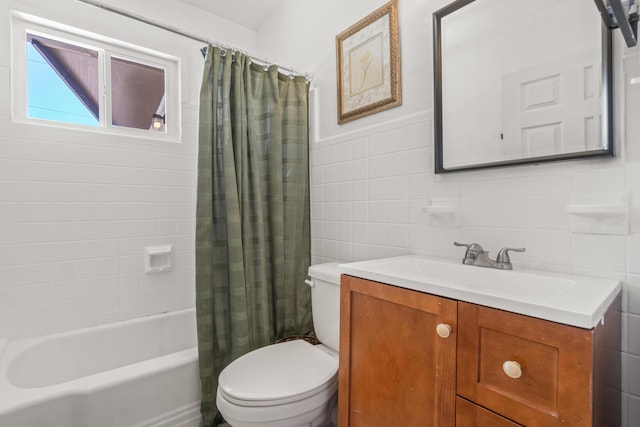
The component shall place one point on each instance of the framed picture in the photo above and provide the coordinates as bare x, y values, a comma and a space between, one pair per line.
368, 65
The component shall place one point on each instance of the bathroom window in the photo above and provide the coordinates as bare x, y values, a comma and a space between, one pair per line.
52, 91
85, 81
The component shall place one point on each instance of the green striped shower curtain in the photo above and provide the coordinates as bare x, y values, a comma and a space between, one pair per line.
252, 215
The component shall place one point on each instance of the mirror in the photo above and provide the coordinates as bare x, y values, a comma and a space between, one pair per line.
520, 81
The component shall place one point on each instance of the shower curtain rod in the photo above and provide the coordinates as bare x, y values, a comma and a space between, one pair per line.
174, 30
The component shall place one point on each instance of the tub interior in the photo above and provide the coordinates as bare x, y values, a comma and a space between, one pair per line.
65, 357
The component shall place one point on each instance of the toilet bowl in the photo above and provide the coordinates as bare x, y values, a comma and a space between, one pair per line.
294, 383
283, 385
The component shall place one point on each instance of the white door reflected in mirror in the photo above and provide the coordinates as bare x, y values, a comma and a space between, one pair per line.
520, 81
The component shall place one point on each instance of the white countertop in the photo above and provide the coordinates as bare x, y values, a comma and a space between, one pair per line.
564, 298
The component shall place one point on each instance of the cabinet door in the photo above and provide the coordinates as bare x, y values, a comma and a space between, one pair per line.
551, 385
395, 370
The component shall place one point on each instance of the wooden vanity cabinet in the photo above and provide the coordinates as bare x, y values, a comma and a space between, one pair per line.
469, 414
558, 375
494, 369
395, 370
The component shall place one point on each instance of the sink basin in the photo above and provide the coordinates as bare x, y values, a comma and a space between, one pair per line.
574, 300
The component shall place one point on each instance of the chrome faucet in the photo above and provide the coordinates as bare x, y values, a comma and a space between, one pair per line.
475, 255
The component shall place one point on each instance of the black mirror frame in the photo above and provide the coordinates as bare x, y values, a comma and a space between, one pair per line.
607, 95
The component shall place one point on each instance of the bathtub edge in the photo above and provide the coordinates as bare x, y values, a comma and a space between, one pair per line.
88, 391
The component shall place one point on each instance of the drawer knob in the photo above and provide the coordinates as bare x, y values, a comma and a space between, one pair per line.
512, 369
443, 330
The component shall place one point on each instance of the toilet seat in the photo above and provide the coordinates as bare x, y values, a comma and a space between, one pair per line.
279, 374
295, 414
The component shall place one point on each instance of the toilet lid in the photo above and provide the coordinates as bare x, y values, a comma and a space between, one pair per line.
278, 373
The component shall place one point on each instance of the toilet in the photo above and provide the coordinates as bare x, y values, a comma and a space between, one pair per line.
294, 383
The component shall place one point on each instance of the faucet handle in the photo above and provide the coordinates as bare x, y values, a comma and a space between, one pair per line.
470, 246
462, 244
503, 255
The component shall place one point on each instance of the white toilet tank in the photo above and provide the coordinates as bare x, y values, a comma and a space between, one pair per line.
325, 303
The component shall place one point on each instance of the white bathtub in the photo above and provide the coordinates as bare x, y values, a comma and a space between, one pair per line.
141, 373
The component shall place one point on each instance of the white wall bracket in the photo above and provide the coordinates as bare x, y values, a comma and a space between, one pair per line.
443, 211
158, 258
599, 214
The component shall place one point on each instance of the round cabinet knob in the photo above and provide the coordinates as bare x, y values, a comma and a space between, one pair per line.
512, 369
443, 330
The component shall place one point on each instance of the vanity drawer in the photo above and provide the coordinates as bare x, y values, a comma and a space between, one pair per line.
469, 414
532, 371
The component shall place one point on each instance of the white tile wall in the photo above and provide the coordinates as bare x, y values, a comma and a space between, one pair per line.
387, 169
77, 210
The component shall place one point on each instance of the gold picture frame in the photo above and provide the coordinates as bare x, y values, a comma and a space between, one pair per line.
368, 65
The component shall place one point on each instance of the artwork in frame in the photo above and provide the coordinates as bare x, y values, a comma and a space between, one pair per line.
368, 65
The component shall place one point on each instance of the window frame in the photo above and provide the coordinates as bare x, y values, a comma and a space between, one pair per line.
23, 24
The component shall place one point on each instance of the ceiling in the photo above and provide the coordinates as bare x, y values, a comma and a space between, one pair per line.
248, 13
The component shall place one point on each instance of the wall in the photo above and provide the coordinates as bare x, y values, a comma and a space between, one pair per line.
371, 177
77, 208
